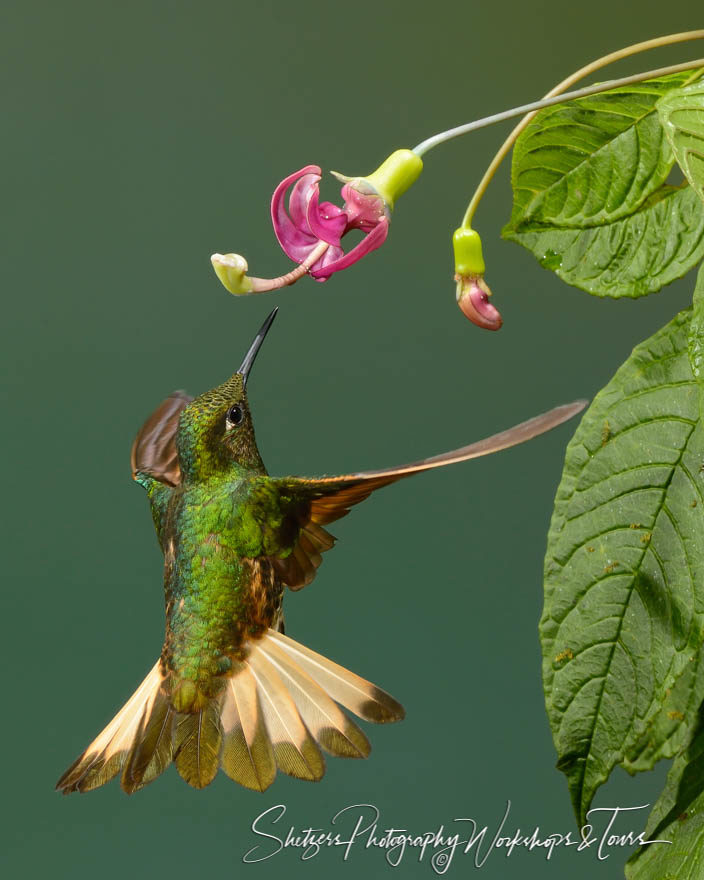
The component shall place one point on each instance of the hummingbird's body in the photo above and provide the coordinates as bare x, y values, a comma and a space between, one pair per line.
230, 690
219, 591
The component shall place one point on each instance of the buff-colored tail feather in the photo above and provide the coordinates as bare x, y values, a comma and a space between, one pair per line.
277, 709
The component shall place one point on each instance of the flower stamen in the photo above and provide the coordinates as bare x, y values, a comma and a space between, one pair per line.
231, 269
260, 285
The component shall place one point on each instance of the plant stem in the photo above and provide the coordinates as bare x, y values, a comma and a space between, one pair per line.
532, 108
559, 89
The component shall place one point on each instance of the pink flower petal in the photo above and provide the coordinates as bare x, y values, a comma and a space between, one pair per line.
364, 211
475, 305
304, 189
332, 254
297, 243
326, 221
369, 243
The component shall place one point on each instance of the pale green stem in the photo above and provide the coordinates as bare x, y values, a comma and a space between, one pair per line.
533, 107
560, 88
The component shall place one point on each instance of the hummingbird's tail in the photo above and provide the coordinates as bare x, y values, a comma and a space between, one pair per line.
275, 711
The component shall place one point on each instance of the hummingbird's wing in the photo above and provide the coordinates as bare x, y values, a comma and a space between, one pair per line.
154, 447
317, 502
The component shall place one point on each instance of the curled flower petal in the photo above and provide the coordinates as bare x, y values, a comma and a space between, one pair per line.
369, 243
326, 221
306, 223
303, 190
331, 255
473, 299
295, 238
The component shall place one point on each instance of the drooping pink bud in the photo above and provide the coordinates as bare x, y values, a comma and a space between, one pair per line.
473, 299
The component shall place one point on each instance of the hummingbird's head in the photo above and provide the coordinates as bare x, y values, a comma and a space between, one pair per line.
216, 430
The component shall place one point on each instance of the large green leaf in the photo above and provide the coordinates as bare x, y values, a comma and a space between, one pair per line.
682, 114
695, 343
668, 730
590, 198
594, 160
624, 571
635, 256
696, 331
678, 816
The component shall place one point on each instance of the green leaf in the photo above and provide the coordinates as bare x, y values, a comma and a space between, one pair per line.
695, 345
624, 571
594, 160
590, 198
681, 112
670, 729
678, 816
635, 256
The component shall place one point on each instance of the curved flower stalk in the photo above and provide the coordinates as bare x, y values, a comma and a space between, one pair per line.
310, 231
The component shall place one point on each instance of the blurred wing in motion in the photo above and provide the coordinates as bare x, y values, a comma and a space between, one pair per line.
316, 502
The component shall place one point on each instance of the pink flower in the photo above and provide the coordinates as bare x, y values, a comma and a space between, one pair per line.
310, 231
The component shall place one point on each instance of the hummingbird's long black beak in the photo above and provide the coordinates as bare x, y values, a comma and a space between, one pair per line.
251, 355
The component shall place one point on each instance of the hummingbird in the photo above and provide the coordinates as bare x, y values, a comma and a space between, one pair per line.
230, 689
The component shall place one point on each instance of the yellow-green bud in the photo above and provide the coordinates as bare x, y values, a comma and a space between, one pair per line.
396, 174
469, 259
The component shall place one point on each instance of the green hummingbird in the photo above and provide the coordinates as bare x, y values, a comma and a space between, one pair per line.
230, 690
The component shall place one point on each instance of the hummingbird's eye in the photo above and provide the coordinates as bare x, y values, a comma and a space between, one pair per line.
235, 415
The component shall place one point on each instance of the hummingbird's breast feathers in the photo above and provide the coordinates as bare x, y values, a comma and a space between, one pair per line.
221, 586
241, 512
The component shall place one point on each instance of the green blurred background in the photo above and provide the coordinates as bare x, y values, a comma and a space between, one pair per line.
139, 138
